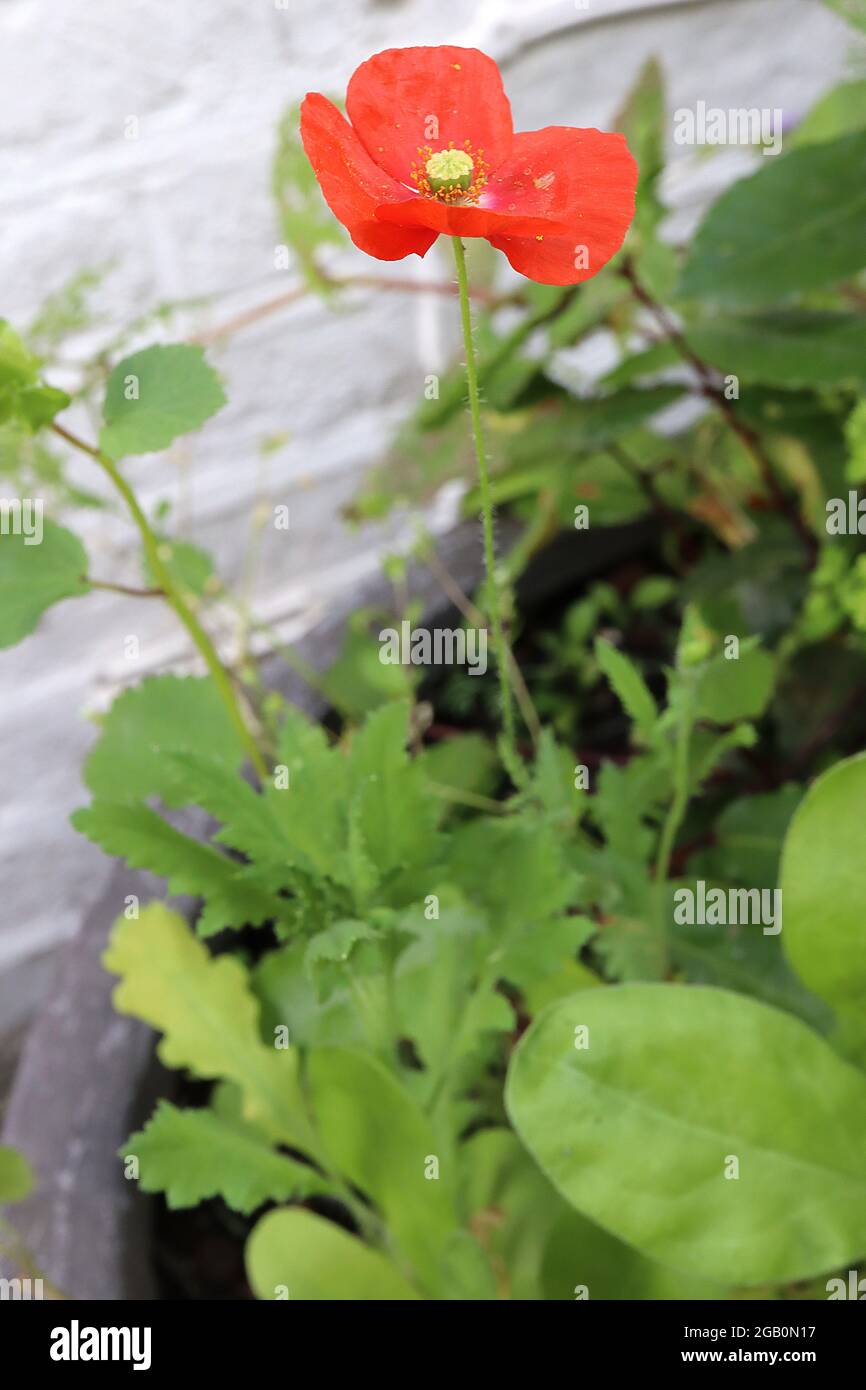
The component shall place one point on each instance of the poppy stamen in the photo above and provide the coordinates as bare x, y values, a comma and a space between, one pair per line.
450, 175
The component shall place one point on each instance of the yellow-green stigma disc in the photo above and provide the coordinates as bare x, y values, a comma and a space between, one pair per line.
449, 169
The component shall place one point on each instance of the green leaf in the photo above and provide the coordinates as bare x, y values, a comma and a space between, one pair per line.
567, 979
507, 1199
156, 395
193, 1155
838, 112
209, 1018
436, 988
747, 838
358, 682
164, 714
581, 1256
532, 882
191, 567
296, 1255
790, 348
641, 120
465, 763
625, 797
583, 424
545, 1246
311, 811
647, 362
18, 366
629, 685
395, 811
852, 10
764, 238
676, 1082
22, 395
741, 958
38, 405
142, 838
823, 884
248, 822
332, 950
290, 998
758, 588
374, 1133
746, 849
855, 439
730, 689
467, 1274
552, 783
16, 1175
33, 577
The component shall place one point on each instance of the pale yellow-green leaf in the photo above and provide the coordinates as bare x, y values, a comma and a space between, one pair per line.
208, 1016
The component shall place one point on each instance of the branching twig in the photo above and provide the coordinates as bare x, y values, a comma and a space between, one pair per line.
709, 389
123, 588
397, 284
476, 618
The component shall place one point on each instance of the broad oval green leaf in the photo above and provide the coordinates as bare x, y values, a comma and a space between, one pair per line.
293, 1254
583, 1261
39, 566
837, 112
638, 1129
823, 882
730, 689
156, 395
794, 225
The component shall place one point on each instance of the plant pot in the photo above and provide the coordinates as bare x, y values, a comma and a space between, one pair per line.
88, 1076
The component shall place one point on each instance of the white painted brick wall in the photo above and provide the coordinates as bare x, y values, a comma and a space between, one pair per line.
185, 211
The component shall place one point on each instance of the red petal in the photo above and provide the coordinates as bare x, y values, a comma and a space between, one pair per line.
584, 179
404, 99
353, 185
455, 219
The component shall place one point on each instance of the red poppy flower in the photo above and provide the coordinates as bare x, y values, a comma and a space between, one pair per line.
429, 147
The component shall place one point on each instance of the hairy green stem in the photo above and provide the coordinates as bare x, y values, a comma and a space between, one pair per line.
673, 821
486, 504
174, 598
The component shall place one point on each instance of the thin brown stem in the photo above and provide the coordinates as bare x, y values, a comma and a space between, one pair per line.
855, 294
709, 389
645, 481
127, 589
476, 618
406, 285
249, 316
394, 283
